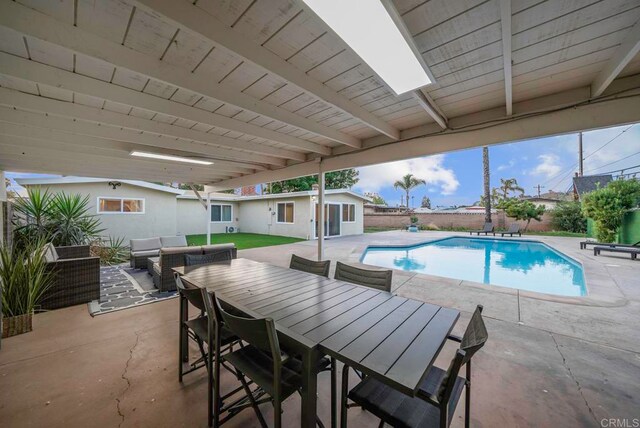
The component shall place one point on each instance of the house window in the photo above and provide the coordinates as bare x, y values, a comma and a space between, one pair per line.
120, 205
285, 212
348, 213
221, 213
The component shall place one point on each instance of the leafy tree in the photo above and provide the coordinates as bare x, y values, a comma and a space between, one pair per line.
407, 183
426, 202
183, 186
487, 184
378, 200
343, 179
521, 209
568, 216
509, 185
608, 205
494, 198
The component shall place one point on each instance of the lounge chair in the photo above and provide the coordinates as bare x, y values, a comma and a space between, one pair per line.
583, 244
487, 229
625, 250
513, 229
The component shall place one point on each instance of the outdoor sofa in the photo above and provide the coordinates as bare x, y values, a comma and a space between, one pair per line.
76, 276
161, 267
142, 249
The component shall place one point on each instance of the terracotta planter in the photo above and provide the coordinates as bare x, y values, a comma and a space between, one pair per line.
12, 326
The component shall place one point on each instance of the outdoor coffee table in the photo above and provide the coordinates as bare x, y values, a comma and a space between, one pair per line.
390, 337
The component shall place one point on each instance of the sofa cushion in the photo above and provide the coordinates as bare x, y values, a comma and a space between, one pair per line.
145, 244
148, 253
207, 249
49, 253
156, 268
173, 241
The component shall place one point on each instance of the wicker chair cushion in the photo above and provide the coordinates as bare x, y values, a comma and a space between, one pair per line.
49, 253
156, 268
145, 244
173, 241
400, 410
148, 253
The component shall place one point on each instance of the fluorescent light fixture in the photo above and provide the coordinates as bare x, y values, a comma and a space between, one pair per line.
169, 158
369, 29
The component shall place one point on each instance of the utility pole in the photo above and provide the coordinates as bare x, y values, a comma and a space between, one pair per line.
581, 158
538, 187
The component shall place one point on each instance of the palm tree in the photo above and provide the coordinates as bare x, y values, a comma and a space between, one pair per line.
487, 184
510, 185
407, 183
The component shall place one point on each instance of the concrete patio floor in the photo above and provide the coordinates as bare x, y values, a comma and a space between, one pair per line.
548, 362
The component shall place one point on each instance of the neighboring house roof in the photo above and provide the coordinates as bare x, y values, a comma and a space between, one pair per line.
589, 183
232, 197
81, 180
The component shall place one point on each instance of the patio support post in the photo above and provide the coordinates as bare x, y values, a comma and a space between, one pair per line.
321, 218
208, 218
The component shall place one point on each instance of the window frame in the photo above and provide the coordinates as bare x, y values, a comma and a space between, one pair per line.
354, 212
293, 204
221, 216
121, 199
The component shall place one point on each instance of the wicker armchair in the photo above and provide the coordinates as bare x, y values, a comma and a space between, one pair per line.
76, 278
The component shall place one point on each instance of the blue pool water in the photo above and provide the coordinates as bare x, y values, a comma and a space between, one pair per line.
526, 265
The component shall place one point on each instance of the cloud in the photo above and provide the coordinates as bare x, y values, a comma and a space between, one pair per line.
431, 169
549, 165
508, 165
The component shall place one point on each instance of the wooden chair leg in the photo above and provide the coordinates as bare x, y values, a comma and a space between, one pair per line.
343, 396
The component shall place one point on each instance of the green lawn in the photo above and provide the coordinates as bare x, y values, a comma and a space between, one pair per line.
243, 241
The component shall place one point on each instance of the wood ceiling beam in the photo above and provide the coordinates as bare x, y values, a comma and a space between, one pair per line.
427, 103
46, 156
193, 19
35, 24
40, 73
505, 21
623, 55
112, 133
30, 102
116, 148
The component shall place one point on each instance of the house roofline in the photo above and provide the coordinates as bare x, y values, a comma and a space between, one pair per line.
81, 180
236, 198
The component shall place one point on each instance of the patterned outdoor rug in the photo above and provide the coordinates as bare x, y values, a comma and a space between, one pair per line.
120, 289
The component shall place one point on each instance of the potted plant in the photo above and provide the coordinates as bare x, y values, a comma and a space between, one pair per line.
24, 279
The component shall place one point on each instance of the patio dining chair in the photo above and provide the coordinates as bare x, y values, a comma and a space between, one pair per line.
196, 329
260, 360
373, 278
437, 396
311, 266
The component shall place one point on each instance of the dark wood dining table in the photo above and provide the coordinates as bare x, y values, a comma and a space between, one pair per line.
390, 337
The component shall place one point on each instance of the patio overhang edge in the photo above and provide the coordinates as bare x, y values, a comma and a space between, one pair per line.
555, 114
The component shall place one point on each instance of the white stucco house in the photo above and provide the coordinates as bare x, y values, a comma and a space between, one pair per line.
139, 209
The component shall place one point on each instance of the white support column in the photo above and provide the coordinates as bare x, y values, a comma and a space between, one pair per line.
208, 218
321, 216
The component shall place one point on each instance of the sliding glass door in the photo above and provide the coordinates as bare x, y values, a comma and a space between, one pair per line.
331, 218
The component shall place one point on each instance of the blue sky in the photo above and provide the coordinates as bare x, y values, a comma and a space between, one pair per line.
456, 178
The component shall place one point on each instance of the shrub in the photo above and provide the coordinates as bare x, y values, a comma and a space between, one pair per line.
521, 209
112, 251
414, 219
608, 205
568, 216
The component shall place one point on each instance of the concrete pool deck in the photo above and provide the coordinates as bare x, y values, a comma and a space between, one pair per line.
547, 363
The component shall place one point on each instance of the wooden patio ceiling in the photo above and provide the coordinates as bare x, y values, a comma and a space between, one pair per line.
264, 88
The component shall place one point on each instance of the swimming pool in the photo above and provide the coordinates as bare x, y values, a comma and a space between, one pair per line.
521, 264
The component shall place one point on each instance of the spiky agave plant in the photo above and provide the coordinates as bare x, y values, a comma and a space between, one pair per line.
31, 217
71, 222
24, 278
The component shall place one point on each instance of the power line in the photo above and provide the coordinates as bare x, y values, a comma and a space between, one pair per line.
621, 169
610, 163
608, 142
